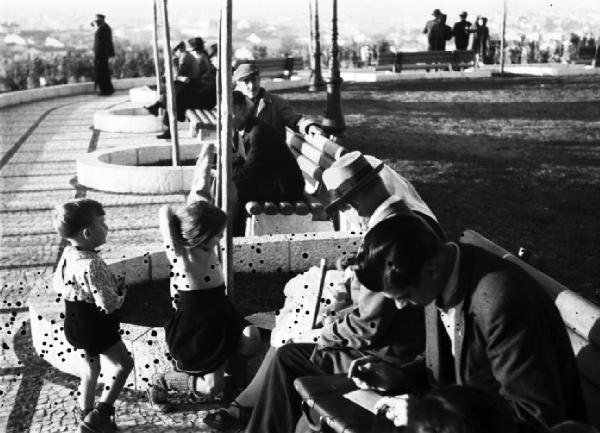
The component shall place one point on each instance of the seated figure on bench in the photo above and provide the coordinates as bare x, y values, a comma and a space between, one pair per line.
368, 327
487, 322
263, 168
269, 108
194, 84
204, 330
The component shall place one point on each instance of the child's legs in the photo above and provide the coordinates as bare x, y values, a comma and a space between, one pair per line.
211, 383
118, 355
89, 378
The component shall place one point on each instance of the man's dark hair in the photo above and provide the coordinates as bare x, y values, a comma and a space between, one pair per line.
75, 215
394, 251
460, 409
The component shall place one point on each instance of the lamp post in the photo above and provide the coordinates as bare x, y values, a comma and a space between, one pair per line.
226, 136
316, 78
334, 119
502, 41
155, 48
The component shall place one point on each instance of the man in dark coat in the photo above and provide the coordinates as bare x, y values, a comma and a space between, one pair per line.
103, 50
460, 31
488, 324
264, 168
429, 25
439, 34
270, 108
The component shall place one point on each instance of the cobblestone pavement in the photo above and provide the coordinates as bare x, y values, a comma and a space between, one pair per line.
39, 143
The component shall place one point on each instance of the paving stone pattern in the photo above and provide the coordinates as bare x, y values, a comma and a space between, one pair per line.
39, 143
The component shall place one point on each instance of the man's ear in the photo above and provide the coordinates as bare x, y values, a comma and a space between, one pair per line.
87, 233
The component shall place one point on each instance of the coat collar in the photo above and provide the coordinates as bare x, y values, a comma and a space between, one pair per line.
264, 98
439, 353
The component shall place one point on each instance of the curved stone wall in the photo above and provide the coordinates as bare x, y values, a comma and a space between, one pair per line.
129, 119
123, 169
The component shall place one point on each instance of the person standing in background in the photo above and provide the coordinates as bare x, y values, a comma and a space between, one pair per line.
460, 31
103, 50
429, 25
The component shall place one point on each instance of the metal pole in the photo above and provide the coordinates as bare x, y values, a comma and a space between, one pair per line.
155, 48
311, 44
219, 179
226, 138
171, 103
316, 83
502, 41
334, 119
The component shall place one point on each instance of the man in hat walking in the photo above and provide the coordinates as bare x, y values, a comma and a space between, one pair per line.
269, 108
461, 31
103, 50
373, 326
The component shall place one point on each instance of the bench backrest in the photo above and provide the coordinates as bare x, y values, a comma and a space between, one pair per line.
314, 154
386, 61
425, 57
581, 317
276, 67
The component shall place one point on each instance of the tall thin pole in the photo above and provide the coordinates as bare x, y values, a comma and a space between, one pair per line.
155, 48
171, 103
311, 44
502, 41
316, 82
226, 137
334, 119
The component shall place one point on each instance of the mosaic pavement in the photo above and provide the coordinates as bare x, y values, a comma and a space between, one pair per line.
39, 143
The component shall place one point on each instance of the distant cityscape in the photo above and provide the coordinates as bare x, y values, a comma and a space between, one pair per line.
27, 37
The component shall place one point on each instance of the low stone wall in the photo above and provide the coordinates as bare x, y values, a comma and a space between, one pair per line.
23, 96
261, 254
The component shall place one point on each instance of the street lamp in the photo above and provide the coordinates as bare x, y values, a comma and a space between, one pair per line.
334, 119
316, 78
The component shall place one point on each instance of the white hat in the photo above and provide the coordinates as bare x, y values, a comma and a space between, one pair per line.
347, 174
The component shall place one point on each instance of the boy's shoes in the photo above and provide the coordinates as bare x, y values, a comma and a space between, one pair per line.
165, 135
99, 420
221, 420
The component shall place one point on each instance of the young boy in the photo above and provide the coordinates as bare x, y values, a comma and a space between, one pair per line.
92, 297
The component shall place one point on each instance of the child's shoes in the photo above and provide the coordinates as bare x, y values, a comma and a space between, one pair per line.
99, 420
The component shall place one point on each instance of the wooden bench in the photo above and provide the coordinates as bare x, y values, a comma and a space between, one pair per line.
447, 60
314, 154
276, 67
386, 62
586, 55
581, 317
203, 123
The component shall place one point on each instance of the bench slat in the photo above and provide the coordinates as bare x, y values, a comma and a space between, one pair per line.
333, 150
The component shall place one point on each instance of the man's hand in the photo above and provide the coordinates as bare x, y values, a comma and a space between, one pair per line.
315, 130
394, 409
370, 372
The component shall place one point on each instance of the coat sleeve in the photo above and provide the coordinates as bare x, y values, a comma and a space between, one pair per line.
363, 326
290, 118
520, 335
253, 166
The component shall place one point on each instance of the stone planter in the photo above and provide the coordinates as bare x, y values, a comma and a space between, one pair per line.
131, 119
142, 95
134, 169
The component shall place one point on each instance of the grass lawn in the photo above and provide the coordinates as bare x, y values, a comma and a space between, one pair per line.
517, 159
